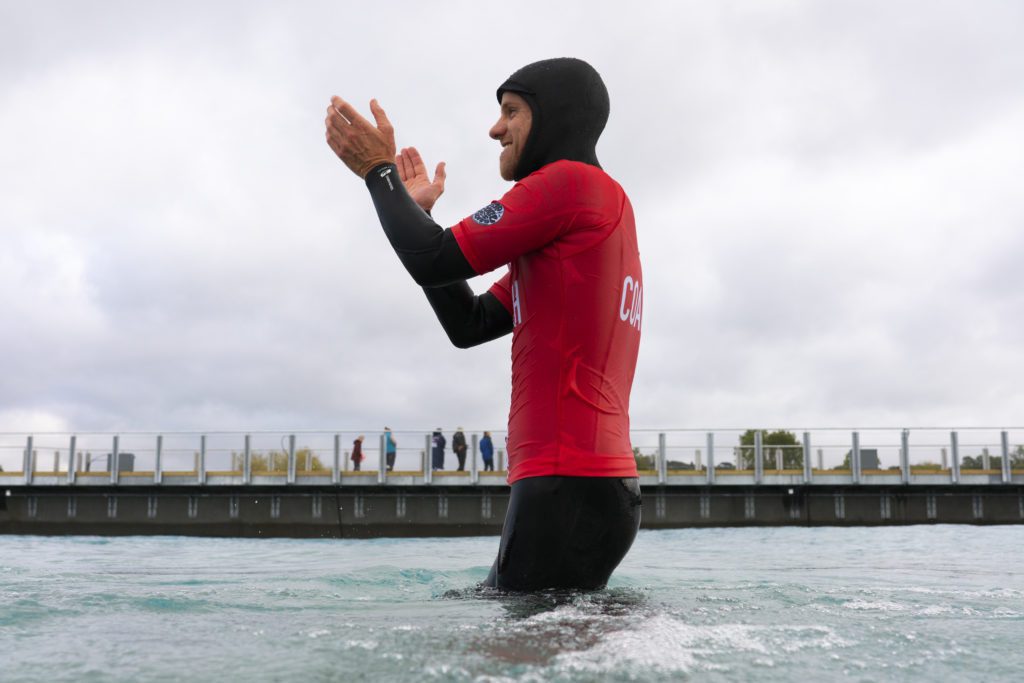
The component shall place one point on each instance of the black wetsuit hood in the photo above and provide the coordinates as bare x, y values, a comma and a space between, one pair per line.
569, 103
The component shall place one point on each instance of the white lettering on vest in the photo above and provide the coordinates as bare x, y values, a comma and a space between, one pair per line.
632, 291
517, 312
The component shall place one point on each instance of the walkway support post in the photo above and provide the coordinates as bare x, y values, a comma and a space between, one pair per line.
905, 456
115, 461
954, 449
808, 469
158, 464
428, 463
711, 457
662, 463
291, 459
474, 475
201, 473
26, 465
71, 460
758, 457
247, 460
336, 468
855, 458
1004, 439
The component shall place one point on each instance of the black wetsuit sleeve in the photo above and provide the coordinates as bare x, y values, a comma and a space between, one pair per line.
428, 251
467, 319
436, 262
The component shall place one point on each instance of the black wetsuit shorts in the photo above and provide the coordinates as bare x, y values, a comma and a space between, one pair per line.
565, 532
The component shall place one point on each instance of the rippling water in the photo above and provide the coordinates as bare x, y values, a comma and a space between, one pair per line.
920, 603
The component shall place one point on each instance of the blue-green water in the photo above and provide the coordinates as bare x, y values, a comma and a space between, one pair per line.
896, 603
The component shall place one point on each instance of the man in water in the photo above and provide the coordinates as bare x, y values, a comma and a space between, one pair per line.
572, 298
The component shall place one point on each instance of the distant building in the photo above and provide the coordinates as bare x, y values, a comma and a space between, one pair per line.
869, 459
125, 462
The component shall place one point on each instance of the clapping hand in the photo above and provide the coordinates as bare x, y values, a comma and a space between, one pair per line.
413, 173
359, 143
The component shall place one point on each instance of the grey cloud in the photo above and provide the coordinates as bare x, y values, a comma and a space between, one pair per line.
826, 198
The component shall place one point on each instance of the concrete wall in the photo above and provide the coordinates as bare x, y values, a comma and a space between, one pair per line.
374, 511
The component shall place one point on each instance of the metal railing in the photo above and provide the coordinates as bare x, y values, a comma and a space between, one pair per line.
668, 456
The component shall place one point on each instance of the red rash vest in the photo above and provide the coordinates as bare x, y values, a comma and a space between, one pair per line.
575, 292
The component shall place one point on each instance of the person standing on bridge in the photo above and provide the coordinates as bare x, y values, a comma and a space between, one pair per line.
357, 453
572, 299
459, 448
390, 449
487, 452
437, 444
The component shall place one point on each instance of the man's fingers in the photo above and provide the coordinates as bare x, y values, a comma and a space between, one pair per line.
400, 166
343, 108
334, 145
359, 143
348, 112
440, 175
330, 133
383, 124
417, 161
410, 164
336, 121
404, 167
333, 113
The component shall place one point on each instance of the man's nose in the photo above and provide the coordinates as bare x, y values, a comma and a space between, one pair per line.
497, 130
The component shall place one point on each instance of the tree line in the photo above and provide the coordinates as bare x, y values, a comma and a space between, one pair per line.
277, 461
793, 455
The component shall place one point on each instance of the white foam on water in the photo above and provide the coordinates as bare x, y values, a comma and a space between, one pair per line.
936, 610
663, 644
360, 644
406, 627
876, 606
446, 671
999, 593
562, 613
797, 638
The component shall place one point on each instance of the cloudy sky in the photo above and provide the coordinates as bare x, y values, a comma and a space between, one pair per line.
827, 196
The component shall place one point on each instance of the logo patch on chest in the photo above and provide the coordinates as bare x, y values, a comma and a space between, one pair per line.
490, 214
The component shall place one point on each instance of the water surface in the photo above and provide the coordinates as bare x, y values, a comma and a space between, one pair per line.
907, 603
